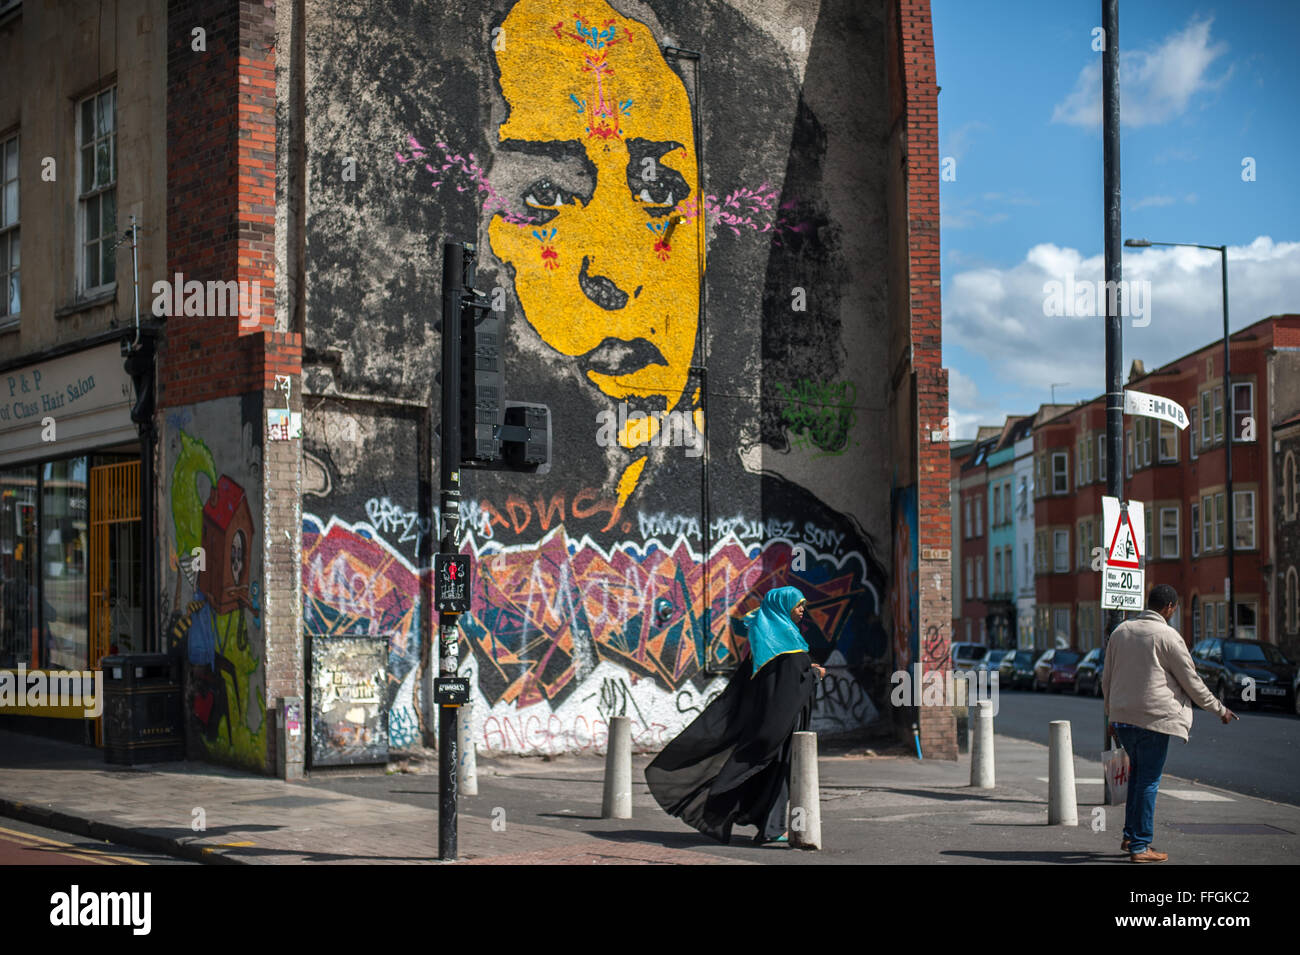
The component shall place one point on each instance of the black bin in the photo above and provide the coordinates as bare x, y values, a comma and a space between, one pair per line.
142, 708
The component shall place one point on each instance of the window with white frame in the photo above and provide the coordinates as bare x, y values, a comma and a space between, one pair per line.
1169, 531
1220, 520
970, 578
1101, 457
1243, 407
1207, 524
996, 518
1060, 472
10, 240
1247, 622
1061, 625
997, 571
1196, 530
1168, 442
1144, 427
1040, 552
1128, 453
1243, 515
1060, 551
97, 189
968, 523
1209, 620
1084, 535
1207, 419
1221, 611
1191, 442
1196, 619
979, 517
979, 576
1218, 414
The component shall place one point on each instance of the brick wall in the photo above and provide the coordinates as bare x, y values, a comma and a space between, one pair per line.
221, 168
915, 40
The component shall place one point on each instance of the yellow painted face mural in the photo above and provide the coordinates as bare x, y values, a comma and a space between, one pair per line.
598, 153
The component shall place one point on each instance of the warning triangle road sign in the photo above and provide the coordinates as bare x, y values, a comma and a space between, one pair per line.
1123, 550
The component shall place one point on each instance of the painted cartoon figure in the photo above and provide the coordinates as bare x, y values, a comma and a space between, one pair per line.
597, 157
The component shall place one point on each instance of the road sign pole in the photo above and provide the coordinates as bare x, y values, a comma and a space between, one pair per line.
449, 509
1114, 272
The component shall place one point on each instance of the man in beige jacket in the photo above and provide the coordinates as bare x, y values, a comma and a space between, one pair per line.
1150, 683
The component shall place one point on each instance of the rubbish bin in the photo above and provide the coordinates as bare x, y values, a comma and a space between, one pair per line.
142, 708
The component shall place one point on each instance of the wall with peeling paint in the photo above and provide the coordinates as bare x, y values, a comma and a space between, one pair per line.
563, 139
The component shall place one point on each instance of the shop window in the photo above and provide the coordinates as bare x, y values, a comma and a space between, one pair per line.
64, 526
19, 567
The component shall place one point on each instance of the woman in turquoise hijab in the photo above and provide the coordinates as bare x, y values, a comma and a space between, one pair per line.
731, 765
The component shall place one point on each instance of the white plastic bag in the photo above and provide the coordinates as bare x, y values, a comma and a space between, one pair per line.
1115, 765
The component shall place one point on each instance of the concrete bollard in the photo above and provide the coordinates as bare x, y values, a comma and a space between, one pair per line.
616, 803
981, 751
467, 753
1062, 800
805, 793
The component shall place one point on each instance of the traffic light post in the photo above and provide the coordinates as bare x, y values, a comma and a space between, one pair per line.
479, 430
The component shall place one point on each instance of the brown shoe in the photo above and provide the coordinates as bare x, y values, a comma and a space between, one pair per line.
1123, 845
1150, 855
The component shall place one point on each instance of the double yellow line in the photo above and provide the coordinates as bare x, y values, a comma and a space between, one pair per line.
30, 841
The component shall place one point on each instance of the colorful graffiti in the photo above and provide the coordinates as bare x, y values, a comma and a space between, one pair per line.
905, 596
218, 628
355, 582
543, 614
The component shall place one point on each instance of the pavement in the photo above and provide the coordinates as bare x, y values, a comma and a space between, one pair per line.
878, 806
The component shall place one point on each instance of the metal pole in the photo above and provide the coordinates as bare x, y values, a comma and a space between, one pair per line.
1231, 430
1114, 273
455, 265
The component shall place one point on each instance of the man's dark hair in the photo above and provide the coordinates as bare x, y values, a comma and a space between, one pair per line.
1161, 597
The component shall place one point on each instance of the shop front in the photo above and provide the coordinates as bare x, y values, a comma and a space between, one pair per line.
71, 568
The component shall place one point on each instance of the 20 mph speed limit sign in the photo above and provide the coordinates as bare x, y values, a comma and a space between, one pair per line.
1123, 584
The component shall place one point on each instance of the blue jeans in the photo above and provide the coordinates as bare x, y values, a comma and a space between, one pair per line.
1146, 750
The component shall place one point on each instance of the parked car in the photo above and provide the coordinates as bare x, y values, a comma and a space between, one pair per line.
1229, 666
1295, 692
966, 655
1016, 670
993, 661
1087, 676
1055, 669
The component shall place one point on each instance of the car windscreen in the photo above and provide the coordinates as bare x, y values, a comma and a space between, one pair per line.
1064, 657
1252, 653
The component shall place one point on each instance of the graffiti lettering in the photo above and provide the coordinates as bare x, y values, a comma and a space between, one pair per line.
390, 518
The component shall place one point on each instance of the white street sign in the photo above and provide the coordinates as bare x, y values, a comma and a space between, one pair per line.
1123, 536
1154, 406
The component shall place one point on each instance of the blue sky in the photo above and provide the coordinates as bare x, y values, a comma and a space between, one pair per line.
1202, 89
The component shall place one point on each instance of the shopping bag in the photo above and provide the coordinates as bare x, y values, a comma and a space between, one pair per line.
1115, 765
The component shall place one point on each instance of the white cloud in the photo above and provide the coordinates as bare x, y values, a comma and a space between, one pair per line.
996, 317
1155, 85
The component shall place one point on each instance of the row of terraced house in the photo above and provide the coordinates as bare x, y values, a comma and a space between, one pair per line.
1027, 503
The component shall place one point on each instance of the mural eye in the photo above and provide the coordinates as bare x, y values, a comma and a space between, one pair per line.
545, 198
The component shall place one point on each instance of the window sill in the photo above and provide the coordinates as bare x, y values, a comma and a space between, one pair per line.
11, 323
107, 297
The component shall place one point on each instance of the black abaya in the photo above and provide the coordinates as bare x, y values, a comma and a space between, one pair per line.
731, 765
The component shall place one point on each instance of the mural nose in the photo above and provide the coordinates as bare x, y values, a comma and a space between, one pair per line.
599, 289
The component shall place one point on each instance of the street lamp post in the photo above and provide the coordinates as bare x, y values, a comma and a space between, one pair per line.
1230, 426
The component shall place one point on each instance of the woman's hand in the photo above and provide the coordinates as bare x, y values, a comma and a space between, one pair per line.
819, 670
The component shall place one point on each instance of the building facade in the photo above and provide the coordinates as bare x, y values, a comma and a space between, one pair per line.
778, 418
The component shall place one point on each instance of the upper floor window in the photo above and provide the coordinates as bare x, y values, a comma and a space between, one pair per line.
10, 245
1196, 530
1243, 407
1169, 532
968, 520
1060, 472
996, 518
1060, 551
1168, 442
97, 189
1243, 515
1211, 417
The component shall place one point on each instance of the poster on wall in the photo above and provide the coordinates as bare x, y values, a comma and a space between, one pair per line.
349, 719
